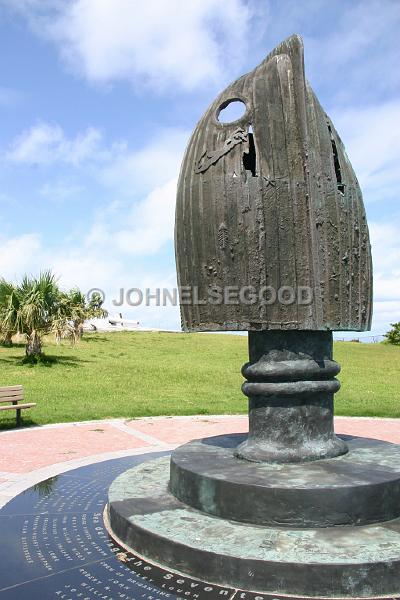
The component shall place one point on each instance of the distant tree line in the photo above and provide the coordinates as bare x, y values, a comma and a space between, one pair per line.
37, 307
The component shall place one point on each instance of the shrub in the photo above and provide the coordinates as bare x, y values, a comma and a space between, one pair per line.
393, 336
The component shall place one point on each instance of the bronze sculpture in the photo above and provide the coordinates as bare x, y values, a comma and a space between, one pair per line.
270, 205
277, 207
270, 202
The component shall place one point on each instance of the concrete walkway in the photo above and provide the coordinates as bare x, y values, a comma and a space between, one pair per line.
30, 455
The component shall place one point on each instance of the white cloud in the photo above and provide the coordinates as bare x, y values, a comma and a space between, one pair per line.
385, 243
140, 228
24, 6
165, 44
46, 143
353, 50
151, 222
127, 172
77, 267
20, 255
141, 220
36, 144
386, 256
137, 221
141, 185
60, 190
370, 134
153, 164
386, 313
89, 268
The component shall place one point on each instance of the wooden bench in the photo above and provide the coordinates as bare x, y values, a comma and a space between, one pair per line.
14, 394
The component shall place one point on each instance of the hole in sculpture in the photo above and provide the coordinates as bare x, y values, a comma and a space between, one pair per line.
250, 157
230, 111
336, 162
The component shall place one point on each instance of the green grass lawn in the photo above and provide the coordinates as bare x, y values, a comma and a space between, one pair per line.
134, 374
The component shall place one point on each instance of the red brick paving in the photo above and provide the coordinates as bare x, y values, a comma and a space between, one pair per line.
180, 430
25, 450
380, 429
33, 454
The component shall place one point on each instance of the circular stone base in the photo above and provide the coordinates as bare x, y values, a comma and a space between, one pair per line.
331, 562
358, 488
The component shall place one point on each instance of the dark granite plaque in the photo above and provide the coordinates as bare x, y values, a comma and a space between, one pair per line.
54, 546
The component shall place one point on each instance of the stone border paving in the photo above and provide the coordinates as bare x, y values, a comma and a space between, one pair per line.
30, 455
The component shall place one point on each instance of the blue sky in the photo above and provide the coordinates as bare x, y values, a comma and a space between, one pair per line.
98, 99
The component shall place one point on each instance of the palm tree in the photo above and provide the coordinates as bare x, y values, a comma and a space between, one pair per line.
81, 310
29, 308
61, 323
38, 302
78, 311
70, 311
9, 306
37, 307
95, 308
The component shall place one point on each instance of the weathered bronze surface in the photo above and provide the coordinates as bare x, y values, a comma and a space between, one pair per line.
290, 385
324, 562
271, 200
359, 488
